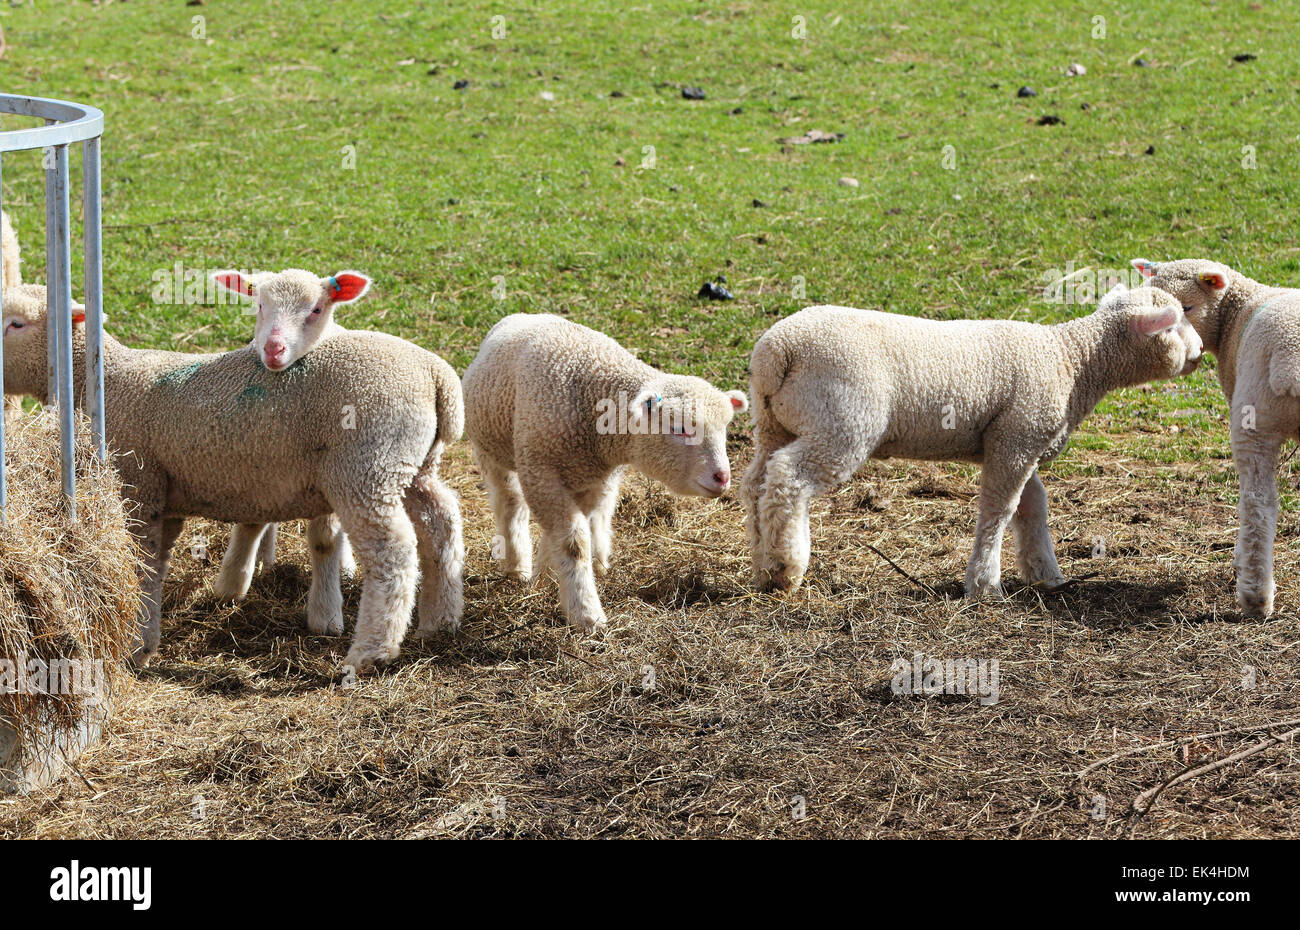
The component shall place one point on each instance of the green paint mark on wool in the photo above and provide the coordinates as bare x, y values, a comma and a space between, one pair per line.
177, 377
252, 394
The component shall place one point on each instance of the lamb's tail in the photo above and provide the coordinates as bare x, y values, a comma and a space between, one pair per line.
450, 403
769, 365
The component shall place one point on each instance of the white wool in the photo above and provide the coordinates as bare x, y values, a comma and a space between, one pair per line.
555, 412
834, 386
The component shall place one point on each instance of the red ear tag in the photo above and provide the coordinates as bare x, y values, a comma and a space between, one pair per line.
347, 287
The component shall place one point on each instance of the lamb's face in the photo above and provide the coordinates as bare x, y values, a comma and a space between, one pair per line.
23, 324
1197, 285
295, 309
678, 428
1162, 337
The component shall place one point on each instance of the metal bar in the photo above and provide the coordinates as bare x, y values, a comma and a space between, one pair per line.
3, 488
67, 400
51, 318
65, 122
94, 297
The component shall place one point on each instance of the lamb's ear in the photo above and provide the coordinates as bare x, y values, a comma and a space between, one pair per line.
1151, 321
1112, 297
234, 281
641, 406
739, 402
1213, 280
1148, 269
346, 286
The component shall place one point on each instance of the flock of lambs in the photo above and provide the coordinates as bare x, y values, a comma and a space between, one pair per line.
345, 429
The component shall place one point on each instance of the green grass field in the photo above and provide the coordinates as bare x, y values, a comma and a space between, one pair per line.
570, 175
328, 135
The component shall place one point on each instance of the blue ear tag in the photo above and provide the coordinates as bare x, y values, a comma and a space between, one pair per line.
335, 284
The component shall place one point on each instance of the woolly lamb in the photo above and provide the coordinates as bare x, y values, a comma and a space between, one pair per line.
1254, 332
555, 412
356, 429
295, 311
834, 386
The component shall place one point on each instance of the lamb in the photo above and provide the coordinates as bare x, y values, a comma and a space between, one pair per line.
295, 311
834, 386
555, 413
355, 430
1254, 332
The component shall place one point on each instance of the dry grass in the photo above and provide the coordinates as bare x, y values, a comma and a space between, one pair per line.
519, 728
68, 589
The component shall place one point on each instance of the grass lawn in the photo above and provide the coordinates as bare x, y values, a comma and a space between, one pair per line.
571, 175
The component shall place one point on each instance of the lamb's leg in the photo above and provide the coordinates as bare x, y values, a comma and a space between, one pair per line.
795, 473
566, 546
237, 566
511, 513
158, 538
266, 547
435, 513
347, 561
1255, 454
751, 492
1001, 484
325, 599
385, 539
1035, 554
601, 519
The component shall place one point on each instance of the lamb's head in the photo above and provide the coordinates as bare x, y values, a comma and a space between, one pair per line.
677, 426
1197, 285
1161, 340
23, 324
295, 309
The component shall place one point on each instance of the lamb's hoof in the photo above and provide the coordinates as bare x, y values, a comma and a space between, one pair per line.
231, 590
447, 623
985, 591
782, 578
1255, 605
141, 656
1049, 584
326, 623
364, 660
601, 569
591, 626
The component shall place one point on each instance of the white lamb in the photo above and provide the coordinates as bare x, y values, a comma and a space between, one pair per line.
834, 386
555, 412
1254, 332
295, 311
356, 429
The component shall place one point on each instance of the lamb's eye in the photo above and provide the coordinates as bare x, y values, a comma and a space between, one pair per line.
14, 326
1186, 309
315, 311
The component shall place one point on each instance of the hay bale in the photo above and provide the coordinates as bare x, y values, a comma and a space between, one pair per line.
69, 592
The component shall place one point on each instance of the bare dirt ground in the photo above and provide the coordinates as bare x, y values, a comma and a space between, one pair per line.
518, 727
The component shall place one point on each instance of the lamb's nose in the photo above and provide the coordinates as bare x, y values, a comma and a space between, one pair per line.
722, 478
